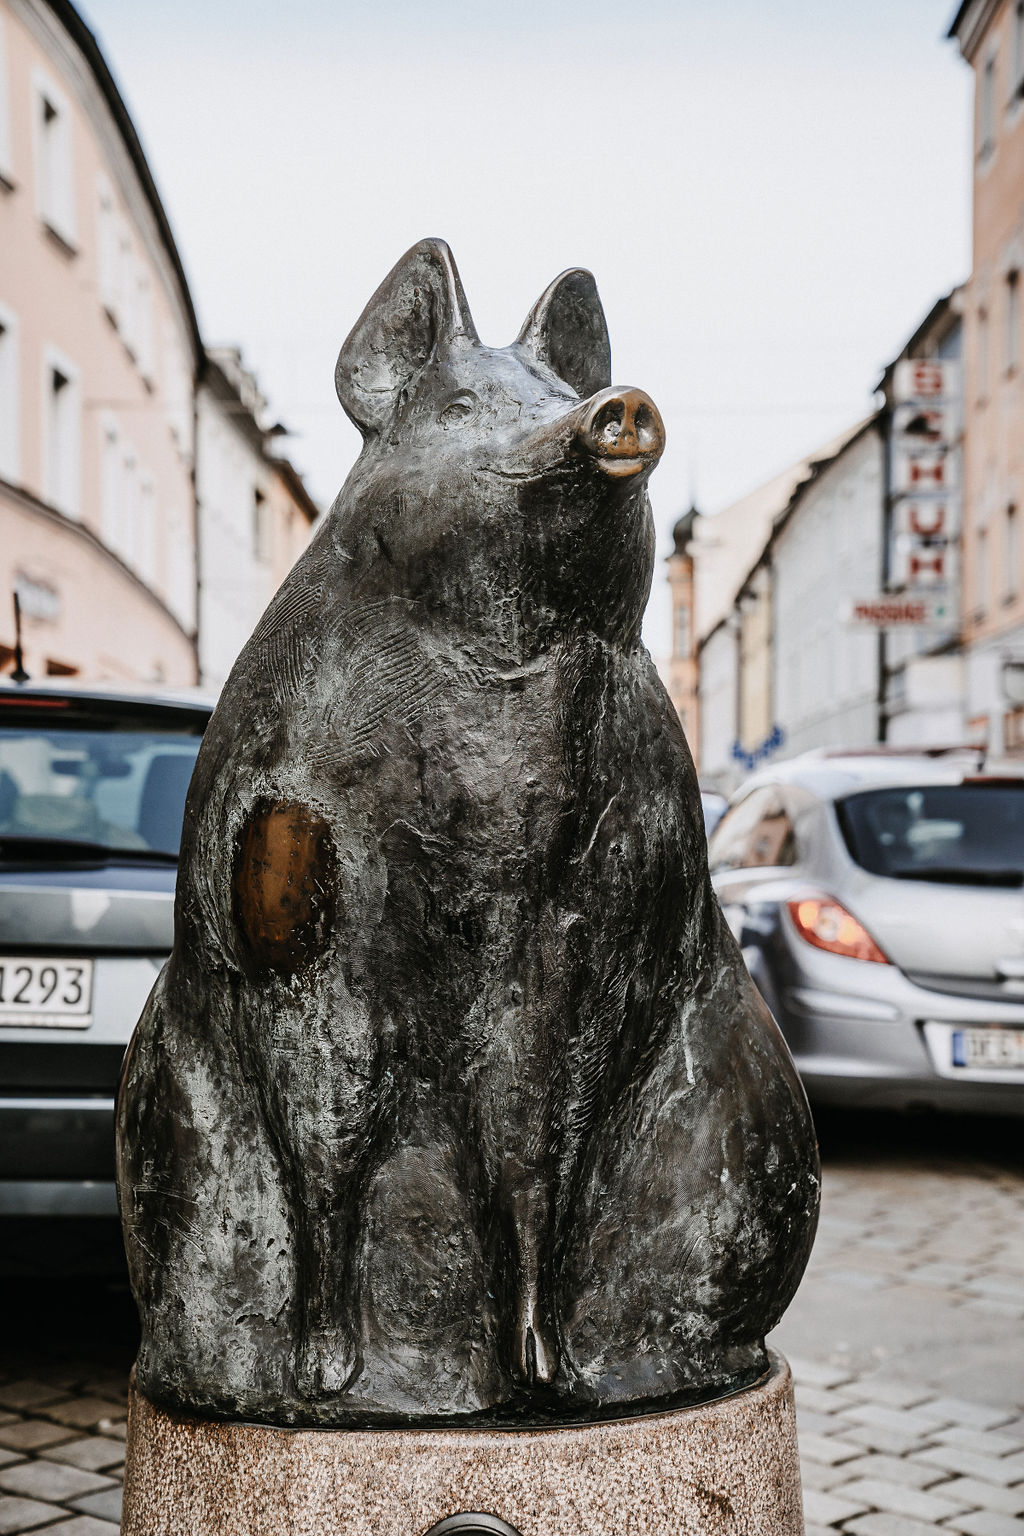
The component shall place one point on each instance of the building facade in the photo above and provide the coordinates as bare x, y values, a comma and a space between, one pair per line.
990, 34
681, 678
98, 351
826, 551
255, 515
923, 668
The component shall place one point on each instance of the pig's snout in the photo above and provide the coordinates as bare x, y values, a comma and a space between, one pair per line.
623, 432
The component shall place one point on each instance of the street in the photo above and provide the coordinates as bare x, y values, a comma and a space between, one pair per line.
905, 1339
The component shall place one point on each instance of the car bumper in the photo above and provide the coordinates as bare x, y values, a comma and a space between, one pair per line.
57, 1197
863, 1034
53, 1138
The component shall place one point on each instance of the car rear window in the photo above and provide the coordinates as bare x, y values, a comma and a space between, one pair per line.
960, 834
107, 782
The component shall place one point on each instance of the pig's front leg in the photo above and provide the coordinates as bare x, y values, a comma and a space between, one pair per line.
323, 1095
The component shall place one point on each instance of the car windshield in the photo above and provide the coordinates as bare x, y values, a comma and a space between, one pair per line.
960, 834
111, 784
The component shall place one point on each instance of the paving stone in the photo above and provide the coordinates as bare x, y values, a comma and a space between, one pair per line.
32, 1434
892, 1394
85, 1412
87, 1525
914, 1422
954, 1458
895, 1469
873, 1437
25, 1515
891, 1525
977, 1415
827, 1449
24, 1396
817, 1373
105, 1505
8, 1458
857, 1279
899, 1499
985, 1522
815, 1474
987, 1442
115, 1428
50, 1480
93, 1452
1003, 1501
831, 1508
994, 1306
8, 1418
818, 1400
815, 1423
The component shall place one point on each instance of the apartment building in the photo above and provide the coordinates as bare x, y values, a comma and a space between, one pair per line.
98, 352
990, 35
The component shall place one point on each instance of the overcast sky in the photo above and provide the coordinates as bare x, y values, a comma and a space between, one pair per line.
770, 195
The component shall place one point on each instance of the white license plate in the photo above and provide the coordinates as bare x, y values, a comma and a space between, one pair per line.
55, 994
988, 1048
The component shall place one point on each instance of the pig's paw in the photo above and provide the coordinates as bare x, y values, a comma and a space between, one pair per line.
328, 1363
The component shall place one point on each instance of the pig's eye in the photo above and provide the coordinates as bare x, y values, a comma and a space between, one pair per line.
458, 411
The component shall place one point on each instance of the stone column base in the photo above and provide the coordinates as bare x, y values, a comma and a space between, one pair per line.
727, 1468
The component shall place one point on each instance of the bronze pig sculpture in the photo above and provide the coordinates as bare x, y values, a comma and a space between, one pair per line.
454, 1101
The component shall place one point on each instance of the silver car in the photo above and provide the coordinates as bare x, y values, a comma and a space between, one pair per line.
92, 791
879, 903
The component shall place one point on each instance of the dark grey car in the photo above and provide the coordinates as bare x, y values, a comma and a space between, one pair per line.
92, 791
879, 902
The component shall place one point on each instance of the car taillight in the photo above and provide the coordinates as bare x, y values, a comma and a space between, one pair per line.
827, 925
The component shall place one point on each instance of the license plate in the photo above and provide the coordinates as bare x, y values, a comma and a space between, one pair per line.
988, 1048
55, 994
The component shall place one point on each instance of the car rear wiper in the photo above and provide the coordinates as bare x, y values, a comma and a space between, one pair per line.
52, 850
950, 875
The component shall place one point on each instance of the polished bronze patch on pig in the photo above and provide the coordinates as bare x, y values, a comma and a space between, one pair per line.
282, 885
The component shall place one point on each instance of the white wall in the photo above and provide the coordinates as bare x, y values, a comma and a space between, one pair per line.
719, 664
830, 550
235, 586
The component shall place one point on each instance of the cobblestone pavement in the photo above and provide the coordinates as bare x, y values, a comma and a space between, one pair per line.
906, 1342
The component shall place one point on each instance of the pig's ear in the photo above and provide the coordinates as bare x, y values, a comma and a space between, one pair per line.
418, 307
567, 332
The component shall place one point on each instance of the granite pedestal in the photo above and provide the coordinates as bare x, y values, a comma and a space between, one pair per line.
726, 1468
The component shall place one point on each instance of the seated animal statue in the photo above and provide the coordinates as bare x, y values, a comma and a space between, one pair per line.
454, 1102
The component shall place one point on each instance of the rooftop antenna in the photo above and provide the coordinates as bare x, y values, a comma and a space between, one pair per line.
19, 675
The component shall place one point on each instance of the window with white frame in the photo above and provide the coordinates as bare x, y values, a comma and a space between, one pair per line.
145, 538
107, 245
981, 592
130, 494
9, 397
1012, 322
1011, 552
987, 109
144, 339
61, 434
1017, 50
260, 527
125, 312
55, 177
177, 390
110, 482
6, 170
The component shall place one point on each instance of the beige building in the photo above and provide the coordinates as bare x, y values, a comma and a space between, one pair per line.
145, 520
681, 671
98, 352
990, 34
